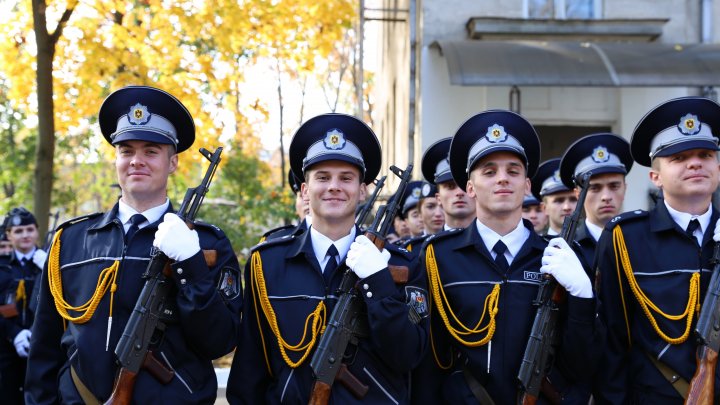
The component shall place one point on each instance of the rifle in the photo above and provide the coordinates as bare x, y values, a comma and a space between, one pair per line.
147, 319
540, 350
707, 333
346, 321
362, 215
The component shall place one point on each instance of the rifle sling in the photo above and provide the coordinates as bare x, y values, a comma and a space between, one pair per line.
478, 391
84, 392
680, 384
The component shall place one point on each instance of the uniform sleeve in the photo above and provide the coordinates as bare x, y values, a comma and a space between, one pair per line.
583, 336
249, 375
582, 341
612, 378
209, 314
46, 355
398, 339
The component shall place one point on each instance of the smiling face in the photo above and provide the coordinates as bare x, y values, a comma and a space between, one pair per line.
687, 178
142, 171
333, 189
498, 182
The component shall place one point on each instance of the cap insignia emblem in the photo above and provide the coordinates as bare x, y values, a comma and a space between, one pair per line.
556, 176
689, 124
16, 220
416, 192
600, 155
138, 114
496, 133
334, 139
426, 190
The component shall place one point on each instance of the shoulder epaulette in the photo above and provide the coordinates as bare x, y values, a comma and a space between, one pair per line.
272, 242
443, 234
81, 218
397, 249
278, 229
625, 217
214, 228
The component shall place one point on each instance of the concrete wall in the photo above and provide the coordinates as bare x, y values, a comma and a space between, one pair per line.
442, 108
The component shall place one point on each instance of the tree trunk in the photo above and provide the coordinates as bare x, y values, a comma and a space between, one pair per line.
45, 149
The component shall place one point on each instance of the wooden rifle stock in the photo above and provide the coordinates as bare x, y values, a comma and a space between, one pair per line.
8, 310
125, 385
702, 385
707, 333
320, 393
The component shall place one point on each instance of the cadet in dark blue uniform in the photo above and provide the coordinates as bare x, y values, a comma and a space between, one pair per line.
431, 215
654, 267
607, 157
458, 207
483, 279
301, 209
558, 201
410, 210
533, 212
292, 282
93, 274
18, 272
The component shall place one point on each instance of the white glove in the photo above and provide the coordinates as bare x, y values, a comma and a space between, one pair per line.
560, 261
365, 259
175, 239
716, 235
39, 258
22, 342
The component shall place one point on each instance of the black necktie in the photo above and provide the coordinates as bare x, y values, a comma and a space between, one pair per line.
692, 226
332, 264
500, 259
135, 222
24, 261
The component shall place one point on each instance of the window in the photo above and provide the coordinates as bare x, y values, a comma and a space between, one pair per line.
562, 9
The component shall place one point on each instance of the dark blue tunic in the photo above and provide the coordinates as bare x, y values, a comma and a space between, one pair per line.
208, 304
295, 285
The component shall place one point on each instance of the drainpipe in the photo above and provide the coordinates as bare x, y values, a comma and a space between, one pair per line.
706, 28
412, 94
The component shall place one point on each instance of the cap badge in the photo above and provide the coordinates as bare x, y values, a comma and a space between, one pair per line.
16, 220
416, 192
334, 139
426, 190
689, 124
600, 155
138, 114
496, 133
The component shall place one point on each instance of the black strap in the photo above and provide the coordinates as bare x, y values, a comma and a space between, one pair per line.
478, 391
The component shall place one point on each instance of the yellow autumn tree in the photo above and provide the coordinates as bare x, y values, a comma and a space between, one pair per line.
196, 50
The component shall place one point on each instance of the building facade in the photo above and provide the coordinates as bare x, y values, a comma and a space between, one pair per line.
571, 67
